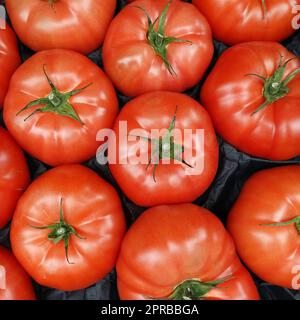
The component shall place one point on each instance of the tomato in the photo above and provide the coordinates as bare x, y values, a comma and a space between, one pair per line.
169, 168
61, 24
67, 228
14, 176
265, 224
56, 103
157, 45
181, 252
9, 58
14, 282
235, 21
252, 95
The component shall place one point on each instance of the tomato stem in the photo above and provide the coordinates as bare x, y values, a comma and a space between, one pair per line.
263, 3
275, 87
194, 289
165, 148
295, 221
61, 231
158, 40
56, 102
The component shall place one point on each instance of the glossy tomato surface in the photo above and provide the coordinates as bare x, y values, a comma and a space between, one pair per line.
133, 64
14, 176
171, 181
54, 137
234, 93
14, 282
9, 58
169, 245
61, 24
90, 206
272, 252
236, 21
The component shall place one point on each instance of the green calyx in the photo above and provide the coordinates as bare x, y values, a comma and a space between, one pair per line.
157, 38
194, 289
165, 148
263, 3
55, 102
61, 231
51, 2
275, 87
295, 221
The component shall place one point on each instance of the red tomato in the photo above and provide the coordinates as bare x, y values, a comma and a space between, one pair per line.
235, 21
172, 53
14, 176
265, 224
64, 112
253, 97
62, 24
67, 228
9, 58
14, 282
181, 252
192, 165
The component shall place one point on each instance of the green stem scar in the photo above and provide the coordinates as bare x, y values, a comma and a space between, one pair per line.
275, 87
295, 221
194, 289
165, 148
56, 102
157, 38
61, 231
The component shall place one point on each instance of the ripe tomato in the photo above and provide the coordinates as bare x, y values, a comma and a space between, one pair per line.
157, 45
67, 228
14, 282
14, 176
9, 58
235, 21
253, 97
265, 224
181, 252
62, 24
64, 111
169, 168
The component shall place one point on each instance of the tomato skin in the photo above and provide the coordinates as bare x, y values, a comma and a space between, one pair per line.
158, 254
236, 21
269, 196
231, 96
9, 59
68, 24
132, 63
14, 176
50, 137
18, 284
91, 206
173, 185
